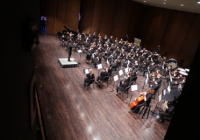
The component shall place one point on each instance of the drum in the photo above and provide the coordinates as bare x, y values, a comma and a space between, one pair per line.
172, 62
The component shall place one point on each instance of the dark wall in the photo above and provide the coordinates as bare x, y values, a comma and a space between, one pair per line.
153, 27
185, 121
17, 67
114, 17
176, 31
60, 13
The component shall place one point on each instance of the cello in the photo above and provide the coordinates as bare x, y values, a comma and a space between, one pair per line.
139, 99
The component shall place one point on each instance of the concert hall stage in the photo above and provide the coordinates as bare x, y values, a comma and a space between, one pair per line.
67, 64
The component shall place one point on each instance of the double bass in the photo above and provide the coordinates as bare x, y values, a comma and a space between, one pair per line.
139, 99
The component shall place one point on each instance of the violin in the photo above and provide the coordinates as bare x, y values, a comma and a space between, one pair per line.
140, 99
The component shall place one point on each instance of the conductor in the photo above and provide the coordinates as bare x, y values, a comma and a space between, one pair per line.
69, 51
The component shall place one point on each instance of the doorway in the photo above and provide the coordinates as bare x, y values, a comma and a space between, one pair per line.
43, 24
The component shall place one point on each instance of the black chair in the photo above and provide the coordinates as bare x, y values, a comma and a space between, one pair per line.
105, 80
145, 109
156, 92
125, 91
88, 84
133, 79
169, 117
110, 74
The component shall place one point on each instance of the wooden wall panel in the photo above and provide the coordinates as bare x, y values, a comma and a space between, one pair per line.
96, 22
107, 16
191, 41
60, 13
87, 12
72, 14
128, 8
154, 25
121, 20
48, 9
136, 11
175, 32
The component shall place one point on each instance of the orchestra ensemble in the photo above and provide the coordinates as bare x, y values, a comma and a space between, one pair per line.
120, 54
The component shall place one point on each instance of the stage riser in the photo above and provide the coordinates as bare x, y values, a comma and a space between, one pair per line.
66, 64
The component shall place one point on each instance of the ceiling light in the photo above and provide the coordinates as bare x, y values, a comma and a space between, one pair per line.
164, 2
198, 2
144, 1
181, 4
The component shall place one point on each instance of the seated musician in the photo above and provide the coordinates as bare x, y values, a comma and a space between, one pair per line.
127, 78
101, 77
155, 86
89, 78
159, 78
123, 85
114, 65
167, 110
146, 102
109, 70
89, 55
96, 60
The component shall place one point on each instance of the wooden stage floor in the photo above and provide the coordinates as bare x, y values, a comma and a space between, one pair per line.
71, 112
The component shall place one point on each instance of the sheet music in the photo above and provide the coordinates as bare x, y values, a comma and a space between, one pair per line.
79, 51
126, 70
146, 81
99, 66
134, 87
108, 62
128, 63
169, 88
86, 71
147, 76
116, 78
164, 92
160, 97
121, 72
170, 77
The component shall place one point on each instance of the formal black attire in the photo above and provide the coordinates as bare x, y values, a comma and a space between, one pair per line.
89, 79
167, 113
69, 51
103, 74
122, 86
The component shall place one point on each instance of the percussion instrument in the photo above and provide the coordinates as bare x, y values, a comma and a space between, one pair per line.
187, 70
180, 69
172, 62
183, 73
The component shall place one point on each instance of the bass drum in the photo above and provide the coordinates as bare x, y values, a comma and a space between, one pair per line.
172, 62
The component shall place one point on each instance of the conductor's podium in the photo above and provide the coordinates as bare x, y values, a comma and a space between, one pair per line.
67, 64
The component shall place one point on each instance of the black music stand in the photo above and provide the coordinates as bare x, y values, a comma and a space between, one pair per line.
133, 88
86, 71
79, 51
99, 66
115, 79
120, 73
145, 83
